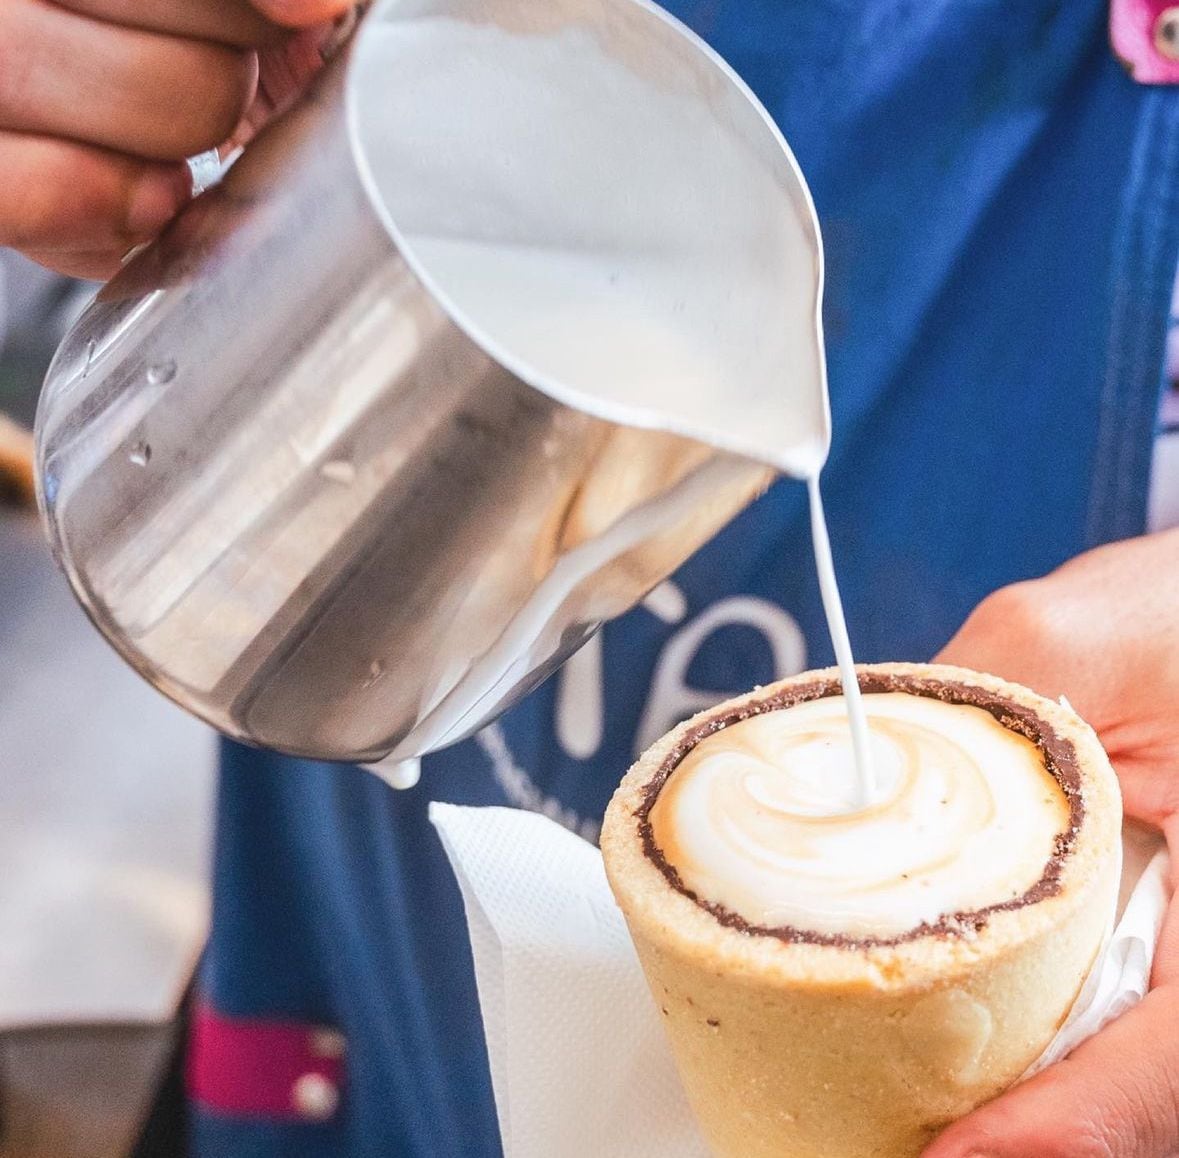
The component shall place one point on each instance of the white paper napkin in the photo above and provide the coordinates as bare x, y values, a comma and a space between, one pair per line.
1121, 974
579, 1063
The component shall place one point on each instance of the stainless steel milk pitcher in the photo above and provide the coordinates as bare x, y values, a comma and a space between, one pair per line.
310, 507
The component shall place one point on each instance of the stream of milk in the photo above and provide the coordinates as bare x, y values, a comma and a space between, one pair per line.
603, 207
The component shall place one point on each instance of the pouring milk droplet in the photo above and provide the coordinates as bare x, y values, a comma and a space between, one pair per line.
868, 782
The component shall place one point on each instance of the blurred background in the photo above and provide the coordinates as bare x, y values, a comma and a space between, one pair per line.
106, 796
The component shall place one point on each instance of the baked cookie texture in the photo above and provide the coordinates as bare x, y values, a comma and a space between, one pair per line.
843, 1048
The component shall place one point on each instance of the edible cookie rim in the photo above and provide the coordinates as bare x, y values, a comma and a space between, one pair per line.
1060, 761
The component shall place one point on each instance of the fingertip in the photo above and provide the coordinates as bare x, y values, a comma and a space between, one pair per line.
213, 88
302, 13
953, 1144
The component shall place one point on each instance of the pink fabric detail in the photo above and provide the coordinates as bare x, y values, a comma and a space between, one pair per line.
251, 1068
1131, 32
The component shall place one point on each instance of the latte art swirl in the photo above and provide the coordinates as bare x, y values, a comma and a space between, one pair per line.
762, 817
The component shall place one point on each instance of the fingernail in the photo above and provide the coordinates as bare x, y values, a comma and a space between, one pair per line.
155, 199
302, 13
333, 37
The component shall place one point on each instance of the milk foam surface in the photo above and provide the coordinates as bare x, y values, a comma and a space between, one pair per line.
605, 211
756, 817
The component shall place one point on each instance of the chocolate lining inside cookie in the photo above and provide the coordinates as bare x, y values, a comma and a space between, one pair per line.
1060, 760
